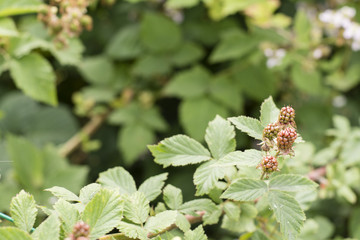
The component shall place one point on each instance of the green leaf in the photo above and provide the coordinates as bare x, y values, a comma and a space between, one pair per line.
234, 44
161, 221
34, 75
269, 113
132, 141
307, 80
173, 197
249, 125
63, 193
88, 192
16, 7
249, 158
182, 223
152, 186
136, 208
181, 3
68, 214
151, 65
8, 28
187, 54
212, 212
220, 137
23, 210
232, 210
197, 234
103, 212
118, 178
158, 33
195, 114
28, 163
207, 175
71, 54
222, 89
287, 212
259, 235
189, 83
302, 28
98, 70
291, 183
179, 150
245, 190
12, 233
48, 229
133, 231
125, 44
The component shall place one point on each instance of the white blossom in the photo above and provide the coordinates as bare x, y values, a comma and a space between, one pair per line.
317, 53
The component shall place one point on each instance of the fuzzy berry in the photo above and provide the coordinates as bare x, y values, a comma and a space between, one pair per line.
80, 231
269, 164
286, 138
271, 131
287, 115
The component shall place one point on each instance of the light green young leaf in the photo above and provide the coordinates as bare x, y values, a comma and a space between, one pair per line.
136, 208
212, 212
287, 212
189, 83
63, 193
103, 212
23, 210
245, 190
207, 175
152, 186
247, 158
68, 213
158, 33
269, 112
197, 234
179, 150
16, 7
249, 125
220, 137
161, 221
34, 75
182, 223
291, 183
48, 229
12, 233
118, 178
232, 210
133, 231
172, 196
88, 192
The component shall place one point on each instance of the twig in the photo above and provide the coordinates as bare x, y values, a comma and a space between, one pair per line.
74, 142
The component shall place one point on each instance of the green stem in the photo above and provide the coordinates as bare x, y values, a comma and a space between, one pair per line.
262, 176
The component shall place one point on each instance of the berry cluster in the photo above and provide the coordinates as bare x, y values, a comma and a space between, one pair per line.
66, 18
80, 231
278, 139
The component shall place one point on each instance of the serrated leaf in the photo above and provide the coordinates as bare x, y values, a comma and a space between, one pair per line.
197, 234
247, 158
269, 113
118, 178
291, 183
207, 175
71, 54
287, 212
68, 213
63, 193
249, 125
189, 83
48, 229
179, 150
245, 190
232, 210
103, 212
133, 231
23, 210
182, 223
34, 75
88, 192
152, 186
12, 233
161, 221
136, 208
173, 197
212, 212
220, 137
